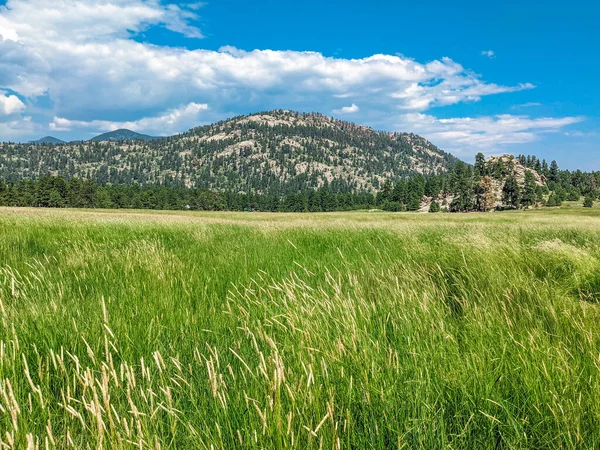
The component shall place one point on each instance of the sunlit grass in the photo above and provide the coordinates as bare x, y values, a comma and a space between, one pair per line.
350, 330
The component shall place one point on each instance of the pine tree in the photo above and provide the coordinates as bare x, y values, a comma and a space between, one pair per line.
511, 193
384, 195
399, 192
553, 174
480, 165
3, 193
529, 190
415, 192
432, 187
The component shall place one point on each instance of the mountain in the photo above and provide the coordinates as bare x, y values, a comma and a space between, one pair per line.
48, 140
123, 135
272, 152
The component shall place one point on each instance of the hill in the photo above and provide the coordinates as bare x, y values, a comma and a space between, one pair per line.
276, 152
123, 135
48, 140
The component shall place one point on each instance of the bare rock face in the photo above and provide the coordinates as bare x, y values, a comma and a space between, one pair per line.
516, 169
503, 167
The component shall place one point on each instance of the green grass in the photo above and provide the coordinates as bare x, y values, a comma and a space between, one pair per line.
349, 330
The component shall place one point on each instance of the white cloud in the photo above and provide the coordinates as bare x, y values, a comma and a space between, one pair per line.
347, 109
90, 20
580, 134
80, 57
468, 135
488, 53
10, 104
13, 130
79, 53
165, 124
527, 105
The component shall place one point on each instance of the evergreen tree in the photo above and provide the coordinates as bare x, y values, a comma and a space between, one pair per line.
553, 173
480, 170
511, 193
415, 192
385, 194
529, 191
3, 193
56, 200
432, 187
462, 187
399, 192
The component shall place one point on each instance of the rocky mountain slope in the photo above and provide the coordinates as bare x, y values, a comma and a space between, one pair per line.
277, 151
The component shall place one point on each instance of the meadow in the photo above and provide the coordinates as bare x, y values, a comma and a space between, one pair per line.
355, 330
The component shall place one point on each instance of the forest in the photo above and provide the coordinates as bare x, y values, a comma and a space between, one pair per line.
463, 188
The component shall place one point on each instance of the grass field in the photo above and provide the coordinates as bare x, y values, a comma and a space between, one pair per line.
343, 330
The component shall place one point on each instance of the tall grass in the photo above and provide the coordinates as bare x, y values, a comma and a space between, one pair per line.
299, 331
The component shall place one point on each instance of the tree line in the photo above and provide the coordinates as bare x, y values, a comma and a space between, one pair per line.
57, 192
463, 188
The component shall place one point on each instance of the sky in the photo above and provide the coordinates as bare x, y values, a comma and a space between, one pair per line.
496, 77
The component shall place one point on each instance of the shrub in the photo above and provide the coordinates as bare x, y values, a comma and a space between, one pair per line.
574, 195
588, 202
393, 206
554, 200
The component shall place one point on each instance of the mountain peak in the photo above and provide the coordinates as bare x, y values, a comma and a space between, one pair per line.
48, 140
123, 134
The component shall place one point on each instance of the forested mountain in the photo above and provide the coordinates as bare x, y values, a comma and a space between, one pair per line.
123, 135
275, 152
48, 140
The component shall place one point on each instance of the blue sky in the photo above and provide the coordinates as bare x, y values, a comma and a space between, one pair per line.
517, 77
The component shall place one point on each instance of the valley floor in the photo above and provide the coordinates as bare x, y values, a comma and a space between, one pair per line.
137, 329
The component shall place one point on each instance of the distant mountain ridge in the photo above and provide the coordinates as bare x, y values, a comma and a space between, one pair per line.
269, 152
123, 135
48, 140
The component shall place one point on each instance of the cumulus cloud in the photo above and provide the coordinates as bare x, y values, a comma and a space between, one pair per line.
79, 52
81, 57
90, 20
10, 104
165, 124
467, 135
347, 109
488, 53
